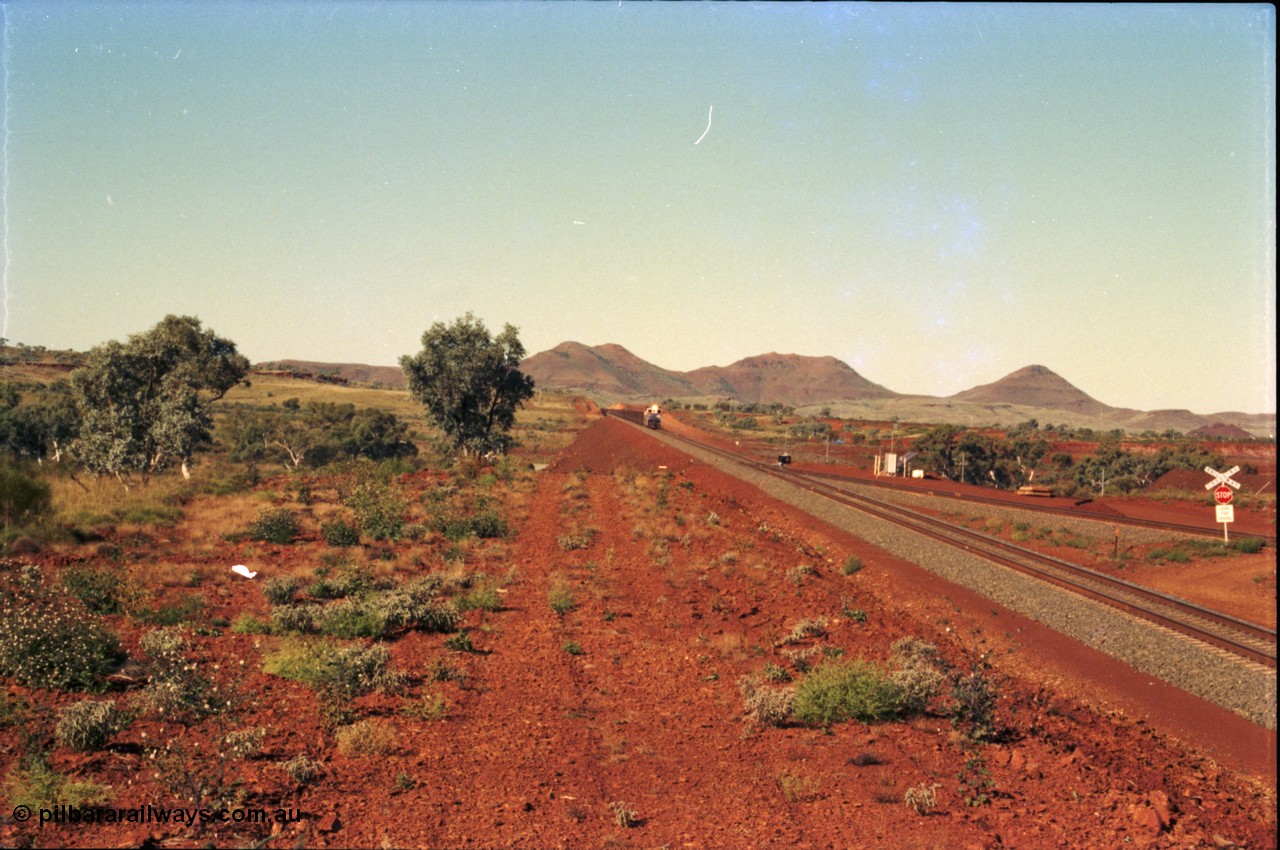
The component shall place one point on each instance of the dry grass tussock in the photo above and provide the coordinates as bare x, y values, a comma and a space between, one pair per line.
210, 517
88, 500
176, 574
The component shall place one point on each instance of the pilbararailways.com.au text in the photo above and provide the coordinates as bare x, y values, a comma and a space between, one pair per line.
177, 815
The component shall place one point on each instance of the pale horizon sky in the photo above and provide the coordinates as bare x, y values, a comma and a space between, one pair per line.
936, 194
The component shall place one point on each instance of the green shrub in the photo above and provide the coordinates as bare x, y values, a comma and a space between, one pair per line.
355, 669
295, 619
488, 524
337, 675
484, 598
175, 690
840, 690
52, 642
22, 499
852, 564
461, 642
774, 673
340, 533
351, 618
98, 589
280, 590
378, 509
34, 784
88, 725
1248, 545
248, 624
274, 525
187, 610
350, 581
414, 606
974, 705
373, 615
976, 784
1177, 556
560, 598
433, 706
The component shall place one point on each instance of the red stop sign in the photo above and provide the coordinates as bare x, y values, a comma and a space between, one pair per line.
1222, 495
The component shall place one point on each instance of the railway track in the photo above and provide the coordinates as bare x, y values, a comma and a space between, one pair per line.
1238, 637
1030, 505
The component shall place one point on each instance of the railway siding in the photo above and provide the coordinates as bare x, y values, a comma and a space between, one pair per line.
1245, 688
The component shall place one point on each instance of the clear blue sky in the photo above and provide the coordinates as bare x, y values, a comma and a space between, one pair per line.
937, 194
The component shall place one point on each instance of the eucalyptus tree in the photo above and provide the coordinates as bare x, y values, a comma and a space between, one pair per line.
470, 382
144, 404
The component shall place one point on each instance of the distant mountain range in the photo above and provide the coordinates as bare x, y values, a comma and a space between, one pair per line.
610, 373
615, 373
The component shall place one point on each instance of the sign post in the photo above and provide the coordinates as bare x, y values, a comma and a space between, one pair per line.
1222, 485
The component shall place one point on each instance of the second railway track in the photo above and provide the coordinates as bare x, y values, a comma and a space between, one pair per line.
1242, 639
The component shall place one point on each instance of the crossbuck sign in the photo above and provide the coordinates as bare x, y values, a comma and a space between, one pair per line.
1222, 478
1224, 513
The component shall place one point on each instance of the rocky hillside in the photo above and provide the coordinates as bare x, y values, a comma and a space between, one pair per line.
614, 372
605, 370
1034, 386
787, 378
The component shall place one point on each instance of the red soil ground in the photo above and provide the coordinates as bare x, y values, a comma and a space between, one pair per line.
630, 701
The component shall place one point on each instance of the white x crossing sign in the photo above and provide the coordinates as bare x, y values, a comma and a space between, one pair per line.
1222, 478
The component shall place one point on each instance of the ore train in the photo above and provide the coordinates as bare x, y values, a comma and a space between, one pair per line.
653, 417
650, 418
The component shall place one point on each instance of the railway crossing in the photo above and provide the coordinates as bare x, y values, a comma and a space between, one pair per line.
1221, 483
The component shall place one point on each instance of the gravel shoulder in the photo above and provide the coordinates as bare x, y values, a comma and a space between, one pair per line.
1248, 690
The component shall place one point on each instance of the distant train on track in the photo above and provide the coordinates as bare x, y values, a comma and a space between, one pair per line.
653, 417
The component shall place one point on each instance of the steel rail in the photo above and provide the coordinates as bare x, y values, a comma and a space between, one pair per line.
1241, 638
1031, 505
